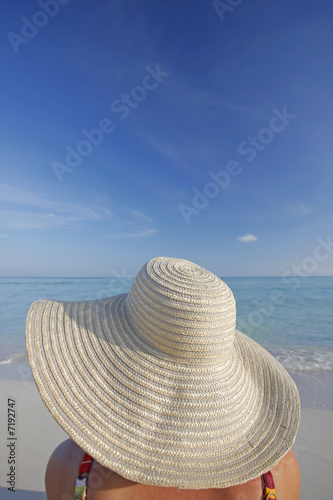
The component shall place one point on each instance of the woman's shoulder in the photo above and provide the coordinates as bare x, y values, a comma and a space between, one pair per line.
62, 470
287, 477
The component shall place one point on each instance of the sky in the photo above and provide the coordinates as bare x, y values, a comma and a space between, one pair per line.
192, 129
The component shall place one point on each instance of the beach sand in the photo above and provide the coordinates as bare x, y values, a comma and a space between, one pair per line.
38, 435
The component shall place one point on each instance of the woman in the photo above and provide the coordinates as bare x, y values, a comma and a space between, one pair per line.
161, 395
107, 485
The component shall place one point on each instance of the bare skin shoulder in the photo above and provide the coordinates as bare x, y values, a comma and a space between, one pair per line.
63, 466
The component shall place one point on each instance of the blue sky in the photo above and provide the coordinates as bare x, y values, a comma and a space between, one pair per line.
179, 93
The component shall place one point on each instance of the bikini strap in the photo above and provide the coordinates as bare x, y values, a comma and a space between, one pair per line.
85, 464
268, 486
82, 480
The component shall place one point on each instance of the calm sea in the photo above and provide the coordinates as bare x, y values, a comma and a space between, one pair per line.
292, 318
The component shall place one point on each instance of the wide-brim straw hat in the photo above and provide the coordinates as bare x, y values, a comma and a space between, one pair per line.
159, 386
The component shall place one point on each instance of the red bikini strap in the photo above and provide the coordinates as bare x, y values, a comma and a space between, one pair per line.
85, 464
269, 486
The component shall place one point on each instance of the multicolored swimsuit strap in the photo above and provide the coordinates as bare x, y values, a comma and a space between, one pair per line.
81, 486
82, 480
268, 486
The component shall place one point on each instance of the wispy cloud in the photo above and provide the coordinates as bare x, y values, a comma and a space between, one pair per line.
25, 219
135, 225
247, 238
181, 143
21, 209
145, 232
201, 98
178, 155
300, 209
13, 198
190, 94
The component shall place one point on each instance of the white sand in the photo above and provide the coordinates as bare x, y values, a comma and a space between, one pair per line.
314, 451
38, 434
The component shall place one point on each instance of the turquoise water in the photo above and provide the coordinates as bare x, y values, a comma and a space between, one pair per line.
292, 318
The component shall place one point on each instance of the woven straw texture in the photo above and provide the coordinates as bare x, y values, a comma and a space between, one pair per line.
158, 385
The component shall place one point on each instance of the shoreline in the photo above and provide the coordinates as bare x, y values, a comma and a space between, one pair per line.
38, 435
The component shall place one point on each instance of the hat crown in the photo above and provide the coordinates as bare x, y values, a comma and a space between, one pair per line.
182, 309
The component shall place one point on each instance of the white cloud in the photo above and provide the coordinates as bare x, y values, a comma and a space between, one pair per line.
247, 238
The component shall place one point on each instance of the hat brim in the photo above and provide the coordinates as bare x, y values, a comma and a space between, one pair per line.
152, 417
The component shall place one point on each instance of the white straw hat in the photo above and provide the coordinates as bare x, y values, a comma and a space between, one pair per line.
157, 384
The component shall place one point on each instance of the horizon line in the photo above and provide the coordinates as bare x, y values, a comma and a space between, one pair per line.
131, 277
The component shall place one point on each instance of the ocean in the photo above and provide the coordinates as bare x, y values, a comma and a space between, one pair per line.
291, 317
